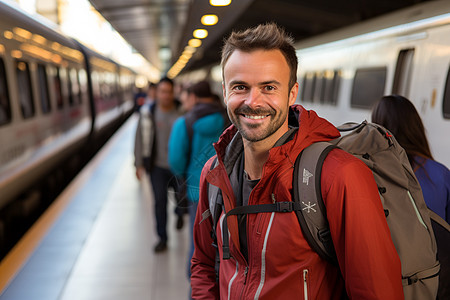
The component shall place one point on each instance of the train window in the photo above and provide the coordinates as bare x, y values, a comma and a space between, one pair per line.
43, 89
308, 87
25, 92
368, 87
332, 80
75, 86
446, 102
5, 106
403, 72
319, 88
57, 86
68, 79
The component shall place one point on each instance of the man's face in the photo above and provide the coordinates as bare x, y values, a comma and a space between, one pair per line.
256, 91
164, 94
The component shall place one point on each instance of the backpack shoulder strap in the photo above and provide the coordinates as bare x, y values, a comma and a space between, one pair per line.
215, 210
307, 192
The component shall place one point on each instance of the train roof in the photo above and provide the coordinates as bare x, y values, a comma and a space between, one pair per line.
404, 22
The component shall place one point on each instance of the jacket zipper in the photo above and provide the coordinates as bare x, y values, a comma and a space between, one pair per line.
305, 283
245, 283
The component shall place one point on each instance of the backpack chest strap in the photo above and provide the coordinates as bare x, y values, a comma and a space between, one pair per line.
282, 207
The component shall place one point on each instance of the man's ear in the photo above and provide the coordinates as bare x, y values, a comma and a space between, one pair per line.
293, 94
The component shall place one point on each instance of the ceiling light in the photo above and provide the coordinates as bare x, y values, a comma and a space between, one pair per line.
219, 2
209, 20
200, 33
195, 43
190, 49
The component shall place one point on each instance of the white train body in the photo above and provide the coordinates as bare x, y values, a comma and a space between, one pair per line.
57, 98
409, 49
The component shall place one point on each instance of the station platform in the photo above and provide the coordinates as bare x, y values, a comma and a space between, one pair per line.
96, 240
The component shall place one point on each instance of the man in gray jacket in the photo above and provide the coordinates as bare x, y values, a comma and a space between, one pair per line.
151, 148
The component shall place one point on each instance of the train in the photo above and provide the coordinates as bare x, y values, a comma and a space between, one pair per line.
342, 73
59, 101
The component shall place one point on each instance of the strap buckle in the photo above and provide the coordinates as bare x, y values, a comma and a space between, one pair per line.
286, 206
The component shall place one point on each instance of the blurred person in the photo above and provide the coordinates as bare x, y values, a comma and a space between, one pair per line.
187, 99
151, 149
151, 93
269, 257
139, 99
191, 141
400, 117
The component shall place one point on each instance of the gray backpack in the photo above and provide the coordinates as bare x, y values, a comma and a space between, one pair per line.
406, 212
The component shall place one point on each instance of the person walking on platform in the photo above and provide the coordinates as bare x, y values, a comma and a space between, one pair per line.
268, 256
400, 117
150, 151
191, 141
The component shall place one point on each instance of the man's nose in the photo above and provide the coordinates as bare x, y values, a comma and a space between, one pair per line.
254, 98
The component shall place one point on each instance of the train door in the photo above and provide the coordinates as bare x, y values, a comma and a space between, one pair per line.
403, 71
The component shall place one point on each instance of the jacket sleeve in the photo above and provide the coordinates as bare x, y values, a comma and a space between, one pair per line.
179, 148
203, 278
367, 257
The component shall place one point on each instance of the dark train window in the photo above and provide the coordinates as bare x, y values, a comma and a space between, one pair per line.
5, 105
308, 87
319, 88
43, 89
446, 102
332, 80
70, 94
25, 92
75, 85
58, 88
368, 87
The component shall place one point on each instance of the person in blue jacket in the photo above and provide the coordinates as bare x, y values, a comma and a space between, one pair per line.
400, 117
191, 142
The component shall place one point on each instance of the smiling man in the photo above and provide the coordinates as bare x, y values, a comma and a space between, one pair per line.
264, 255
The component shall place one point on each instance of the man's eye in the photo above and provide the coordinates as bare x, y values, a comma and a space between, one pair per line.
239, 87
269, 88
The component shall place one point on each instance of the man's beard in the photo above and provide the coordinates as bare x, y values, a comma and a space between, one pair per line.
249, 131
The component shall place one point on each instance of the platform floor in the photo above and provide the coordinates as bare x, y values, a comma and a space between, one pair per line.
100, 244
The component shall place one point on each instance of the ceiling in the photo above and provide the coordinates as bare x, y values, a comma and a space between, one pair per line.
160, 29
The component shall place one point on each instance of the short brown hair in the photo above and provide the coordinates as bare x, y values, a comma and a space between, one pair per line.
263, 37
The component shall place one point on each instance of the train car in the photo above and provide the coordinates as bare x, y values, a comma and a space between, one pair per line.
59, 101
343, 73
44, 107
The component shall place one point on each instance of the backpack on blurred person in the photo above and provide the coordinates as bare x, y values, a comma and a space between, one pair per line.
406, 213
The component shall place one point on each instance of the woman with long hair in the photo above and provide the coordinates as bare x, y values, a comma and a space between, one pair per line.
400, 117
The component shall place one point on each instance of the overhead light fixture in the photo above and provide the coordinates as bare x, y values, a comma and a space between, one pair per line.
219, 2
209, 20
200, 33
195, 43
190, 49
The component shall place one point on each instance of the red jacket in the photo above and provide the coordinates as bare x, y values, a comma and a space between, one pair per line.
281, 264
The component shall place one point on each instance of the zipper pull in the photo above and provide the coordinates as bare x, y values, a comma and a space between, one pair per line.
273, 198
305, 284
245, 274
